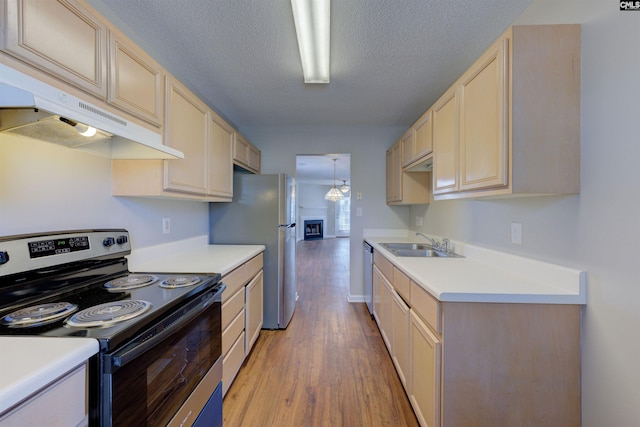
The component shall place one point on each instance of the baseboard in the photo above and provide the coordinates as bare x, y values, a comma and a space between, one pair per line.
355, 298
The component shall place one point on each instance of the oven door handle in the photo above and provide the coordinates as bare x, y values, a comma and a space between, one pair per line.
124, 356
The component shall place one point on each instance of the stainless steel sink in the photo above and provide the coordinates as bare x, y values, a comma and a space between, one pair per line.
406, 246
418, 250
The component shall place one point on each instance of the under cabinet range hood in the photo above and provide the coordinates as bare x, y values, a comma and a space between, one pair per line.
34, 109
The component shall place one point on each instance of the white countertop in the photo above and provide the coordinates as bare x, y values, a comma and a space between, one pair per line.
488, 276
191, 256
28, 364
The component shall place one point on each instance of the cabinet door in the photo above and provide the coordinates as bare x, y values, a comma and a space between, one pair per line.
135, 80
186, 130
254, 159
445, 144
390, 175
240, 149
408, 149
387, 314
394, 173
377, 296
400, 320
483, 121
423, 135
253, 311
220, 158
425, 369
61, 38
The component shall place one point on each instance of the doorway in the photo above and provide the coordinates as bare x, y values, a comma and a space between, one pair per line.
314, 178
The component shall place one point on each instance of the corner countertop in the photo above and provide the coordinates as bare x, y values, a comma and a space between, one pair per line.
485, 275
193, 255
28, 364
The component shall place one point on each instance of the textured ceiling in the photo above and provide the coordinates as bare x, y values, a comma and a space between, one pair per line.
390, 59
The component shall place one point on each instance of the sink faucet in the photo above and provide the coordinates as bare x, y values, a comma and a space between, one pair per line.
433, 242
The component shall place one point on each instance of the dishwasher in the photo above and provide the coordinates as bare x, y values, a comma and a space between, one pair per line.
367, 263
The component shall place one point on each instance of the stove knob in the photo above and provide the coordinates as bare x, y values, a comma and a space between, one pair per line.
108, 241
4, 257
121, 240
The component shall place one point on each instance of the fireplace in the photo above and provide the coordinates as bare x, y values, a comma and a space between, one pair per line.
313, 229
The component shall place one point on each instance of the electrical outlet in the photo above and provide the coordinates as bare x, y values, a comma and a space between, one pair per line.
358, 211
166, 225
516, 233
419, 221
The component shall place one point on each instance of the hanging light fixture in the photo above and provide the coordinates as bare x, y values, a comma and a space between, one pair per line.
344, 187
334, 194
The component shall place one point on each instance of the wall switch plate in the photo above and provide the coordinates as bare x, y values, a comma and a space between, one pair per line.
516, 233
166, 225
358, 211
359, 195
419, 221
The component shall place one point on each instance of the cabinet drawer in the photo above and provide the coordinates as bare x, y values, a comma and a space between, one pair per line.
231, 307
253, 266
232, 332
232, 362
234, 281
384, 265
427, 307
401, 283
241, 275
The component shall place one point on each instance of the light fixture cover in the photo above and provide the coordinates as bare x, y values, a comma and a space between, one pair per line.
312, 21
344, 187
334, 194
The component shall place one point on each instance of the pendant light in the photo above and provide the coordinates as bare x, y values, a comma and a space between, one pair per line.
344, 188
334, 194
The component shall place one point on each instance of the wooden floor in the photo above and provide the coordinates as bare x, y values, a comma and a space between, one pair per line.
329, 367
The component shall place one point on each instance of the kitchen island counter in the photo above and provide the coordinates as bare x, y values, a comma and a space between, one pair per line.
191, 256
485, 275
28, 364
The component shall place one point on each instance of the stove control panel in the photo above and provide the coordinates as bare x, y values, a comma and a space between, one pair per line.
29, 252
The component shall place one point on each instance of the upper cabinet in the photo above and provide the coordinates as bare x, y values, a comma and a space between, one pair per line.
185, 127
405, 188
417, 143
245, 154
135, 80
511, 124
220, 158
205, 139
61, 38
445, 143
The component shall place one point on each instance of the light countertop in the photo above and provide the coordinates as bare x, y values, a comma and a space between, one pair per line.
28, 364
191, 256
485, 275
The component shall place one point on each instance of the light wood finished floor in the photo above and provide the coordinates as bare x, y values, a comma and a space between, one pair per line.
329, 367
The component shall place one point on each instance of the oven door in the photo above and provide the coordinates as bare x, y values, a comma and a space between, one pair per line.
148, 381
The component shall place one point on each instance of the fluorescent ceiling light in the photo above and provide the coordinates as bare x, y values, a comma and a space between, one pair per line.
311, 18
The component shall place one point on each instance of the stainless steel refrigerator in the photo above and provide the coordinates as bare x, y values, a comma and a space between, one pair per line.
263, 212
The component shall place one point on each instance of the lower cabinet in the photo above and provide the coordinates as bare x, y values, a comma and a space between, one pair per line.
424, 367
63, 402
400, 342
480, 364
241, 316
253, 310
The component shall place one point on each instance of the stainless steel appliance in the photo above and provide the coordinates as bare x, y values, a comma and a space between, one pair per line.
367, 262
263, 212
159, 335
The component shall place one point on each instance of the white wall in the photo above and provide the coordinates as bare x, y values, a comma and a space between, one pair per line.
367, 146
598, 230
45, 187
